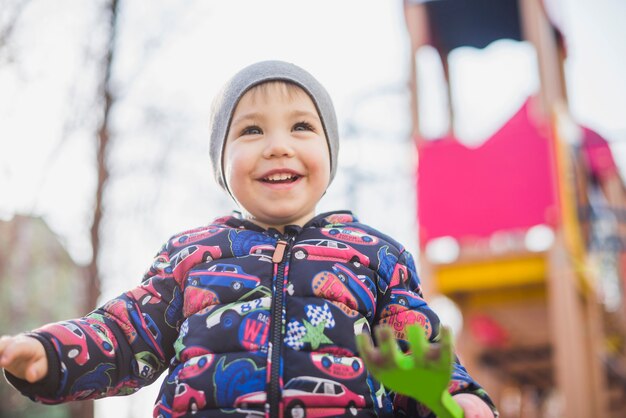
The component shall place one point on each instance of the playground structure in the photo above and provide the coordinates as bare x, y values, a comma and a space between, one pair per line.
512, 231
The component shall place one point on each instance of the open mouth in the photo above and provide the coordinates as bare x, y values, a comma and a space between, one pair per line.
280, 178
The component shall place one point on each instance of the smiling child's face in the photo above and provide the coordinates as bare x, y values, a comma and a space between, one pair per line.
276, 159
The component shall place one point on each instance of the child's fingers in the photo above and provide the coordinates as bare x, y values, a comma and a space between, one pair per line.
37, 371
20, 348
12, 351
5, 353
5, 340
24, 357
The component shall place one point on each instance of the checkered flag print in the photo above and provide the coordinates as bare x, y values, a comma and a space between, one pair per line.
295, 332
317, 314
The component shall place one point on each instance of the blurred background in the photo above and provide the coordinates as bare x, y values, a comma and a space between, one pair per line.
501, 147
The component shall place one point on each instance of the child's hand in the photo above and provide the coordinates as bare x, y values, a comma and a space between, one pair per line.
473, 406
24, 357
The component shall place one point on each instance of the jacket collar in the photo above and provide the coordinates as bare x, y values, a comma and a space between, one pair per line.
236, 220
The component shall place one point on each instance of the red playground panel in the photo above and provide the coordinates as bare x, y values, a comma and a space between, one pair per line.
507, 183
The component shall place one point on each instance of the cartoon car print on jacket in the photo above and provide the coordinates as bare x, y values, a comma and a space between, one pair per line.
187, 352
263, 251
242, 241
148, 330
101, 335
400, 276
361, 285
220, 276
399, 317
93, 381
118, 310
339, 367
229, 315
361, 325
195, 366
219, 273
72, 339
195, 235
203, 287
386, 262
187, 399
146, 365
349, 234
173, 312
254, 331
197, 298
190, 256
236, 378
308, 396
126, 386
329, 286
146, 293
406, 298
326, 249
162, 409
338, 219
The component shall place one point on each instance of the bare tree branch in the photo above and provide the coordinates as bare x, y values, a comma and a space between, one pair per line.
105, 92
8, 22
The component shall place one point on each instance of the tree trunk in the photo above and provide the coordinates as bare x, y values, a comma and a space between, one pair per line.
85, 409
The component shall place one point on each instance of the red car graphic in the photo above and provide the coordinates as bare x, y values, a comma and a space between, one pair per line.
117, 309
73, 340
338, 366
196, 366
263, 251
195, 236
189, 256
101, 335
186, 399
326, 249
349, 234
146, 293
308, 396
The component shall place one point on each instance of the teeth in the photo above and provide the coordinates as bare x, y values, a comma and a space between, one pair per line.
279, 177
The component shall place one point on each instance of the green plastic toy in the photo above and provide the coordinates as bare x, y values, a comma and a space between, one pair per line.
416, 375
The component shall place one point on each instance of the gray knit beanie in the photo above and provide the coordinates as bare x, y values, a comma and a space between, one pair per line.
253, 75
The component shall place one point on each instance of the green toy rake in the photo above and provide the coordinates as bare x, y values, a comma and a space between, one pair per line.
416, 374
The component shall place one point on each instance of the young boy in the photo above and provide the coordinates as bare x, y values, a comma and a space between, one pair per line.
255, 313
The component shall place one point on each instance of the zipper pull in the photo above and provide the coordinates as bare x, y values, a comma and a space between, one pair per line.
279, 252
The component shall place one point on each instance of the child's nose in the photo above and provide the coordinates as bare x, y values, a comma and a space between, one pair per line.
278, 145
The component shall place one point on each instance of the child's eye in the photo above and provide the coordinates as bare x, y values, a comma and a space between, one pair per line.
251, 130
303, 126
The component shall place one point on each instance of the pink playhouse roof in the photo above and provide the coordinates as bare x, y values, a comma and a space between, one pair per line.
505, 184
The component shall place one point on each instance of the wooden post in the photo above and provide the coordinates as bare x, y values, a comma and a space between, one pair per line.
417, 26
538, 31
577, 337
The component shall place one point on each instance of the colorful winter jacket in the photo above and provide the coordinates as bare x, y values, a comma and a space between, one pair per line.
249, 321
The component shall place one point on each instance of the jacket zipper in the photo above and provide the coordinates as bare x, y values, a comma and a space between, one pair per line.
281, 254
